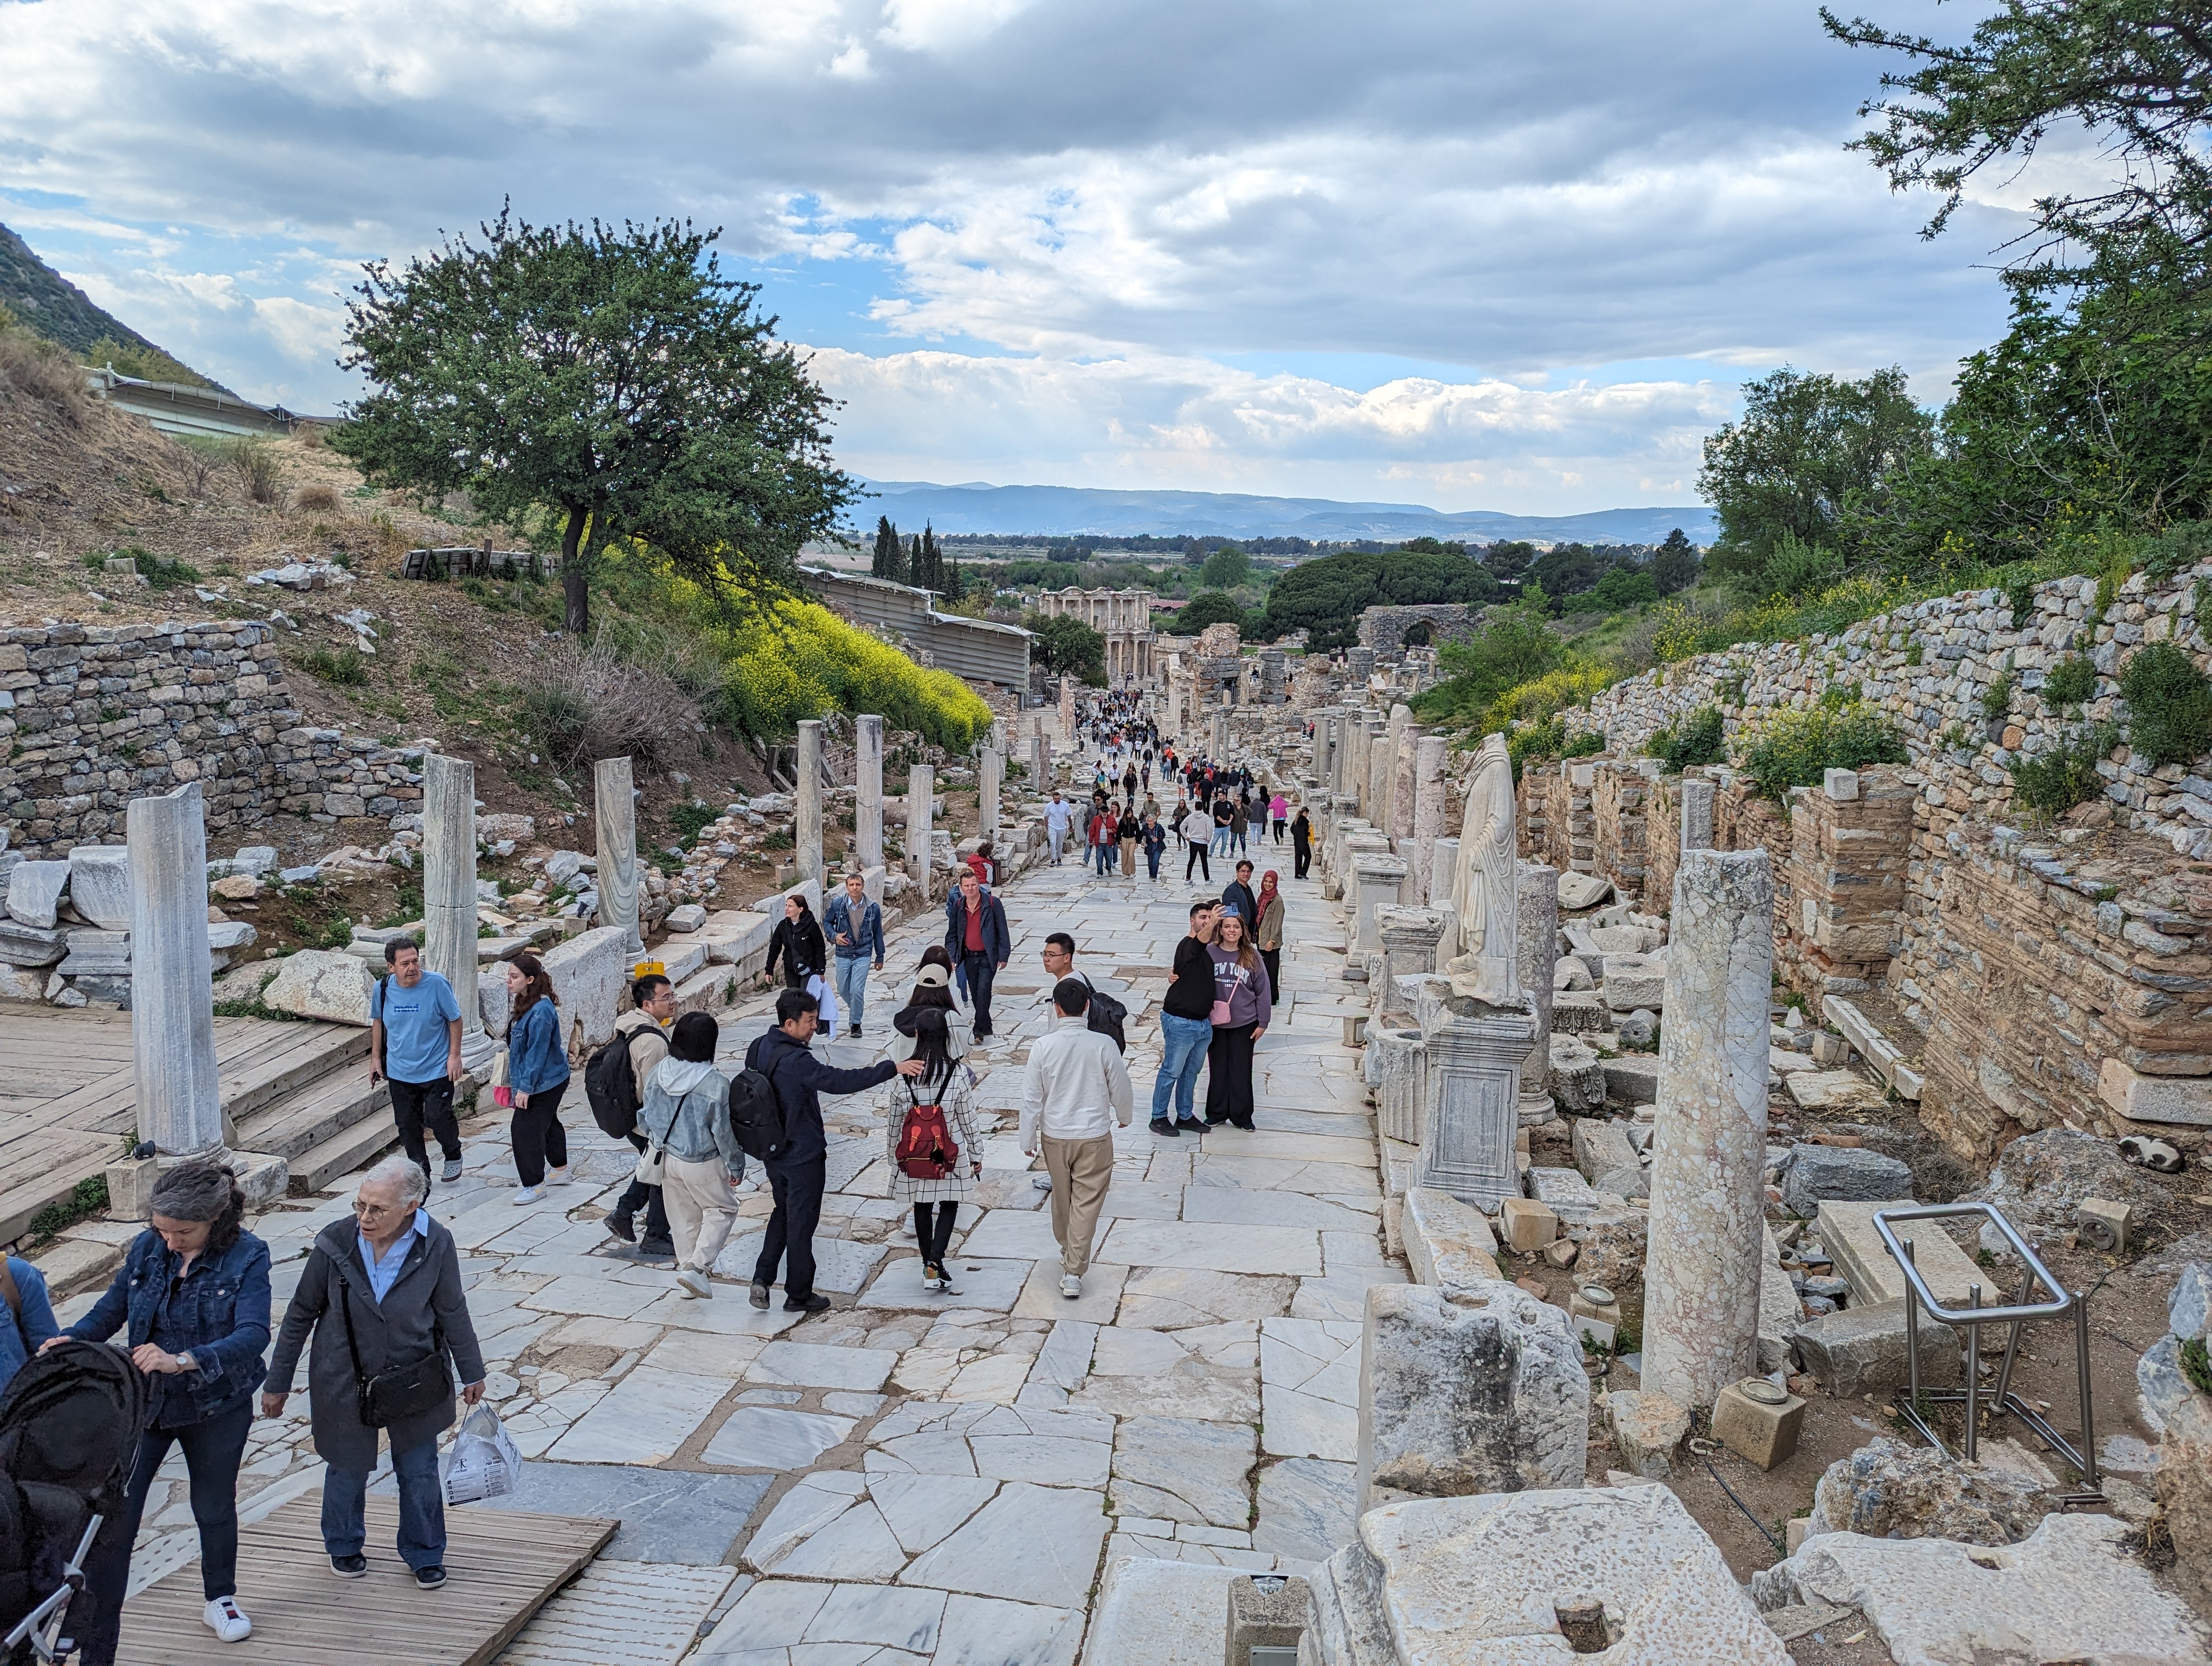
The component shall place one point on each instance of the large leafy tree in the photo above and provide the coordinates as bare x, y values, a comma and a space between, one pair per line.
1065, 644
1326, 597
603, 385
1811, 454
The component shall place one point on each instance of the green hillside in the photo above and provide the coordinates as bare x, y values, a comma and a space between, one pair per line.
43, 300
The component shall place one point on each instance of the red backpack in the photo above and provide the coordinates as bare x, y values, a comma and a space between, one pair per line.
925, 1148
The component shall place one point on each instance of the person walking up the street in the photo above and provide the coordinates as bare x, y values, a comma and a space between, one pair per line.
393, 1277
1186, 1025
415, 1044
643, 1038
1279, 808
1225, 816
1074, 1088
1242, 1008
1154, 839
930, 1137
686, 1118
855, 925
1236, 897
1240, 824
976, 936
1098, 837
797, 1175
1129, 831
798, 943
1057, 815
537, 1075
1301, 843
191, 1299
1197, 830
1267, 935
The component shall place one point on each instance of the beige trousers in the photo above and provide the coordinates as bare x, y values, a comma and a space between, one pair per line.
1081, 1169
701, 1210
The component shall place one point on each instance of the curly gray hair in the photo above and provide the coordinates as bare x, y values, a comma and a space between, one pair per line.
403, 1172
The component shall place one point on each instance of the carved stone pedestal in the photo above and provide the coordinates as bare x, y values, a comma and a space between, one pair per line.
1474, 1053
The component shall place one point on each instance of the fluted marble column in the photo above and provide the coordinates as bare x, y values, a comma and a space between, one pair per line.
1429, 756
868, 788
180, 1102
449, 894
614, 821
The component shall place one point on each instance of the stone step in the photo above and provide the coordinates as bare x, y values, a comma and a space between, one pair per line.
341, 1154
304, 1120
276, 1073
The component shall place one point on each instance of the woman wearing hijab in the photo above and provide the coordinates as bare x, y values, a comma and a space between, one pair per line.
1242, 1004
686, 1115
538, 1075
935, 1181
193, 1302
1267, 934
798, 943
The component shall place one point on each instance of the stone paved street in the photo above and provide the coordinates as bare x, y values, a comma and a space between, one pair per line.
914, 1477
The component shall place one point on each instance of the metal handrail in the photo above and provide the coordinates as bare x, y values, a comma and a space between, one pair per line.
2037, 1271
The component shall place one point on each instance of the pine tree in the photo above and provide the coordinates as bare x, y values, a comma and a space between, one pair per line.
955, 588
917, 574
933, 560
888, 560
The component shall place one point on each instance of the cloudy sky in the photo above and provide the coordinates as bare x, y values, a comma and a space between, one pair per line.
1475, 255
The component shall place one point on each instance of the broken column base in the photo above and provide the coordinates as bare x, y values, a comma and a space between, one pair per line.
262, 1177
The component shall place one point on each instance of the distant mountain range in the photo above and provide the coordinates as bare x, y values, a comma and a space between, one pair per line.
1065, 511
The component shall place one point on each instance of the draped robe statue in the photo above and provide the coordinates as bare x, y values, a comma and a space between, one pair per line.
1483, 894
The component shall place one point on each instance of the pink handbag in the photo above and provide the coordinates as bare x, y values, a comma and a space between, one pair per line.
1220, 1012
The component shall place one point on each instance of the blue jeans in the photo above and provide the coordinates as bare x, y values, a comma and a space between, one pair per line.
1220, 841
1186, 1041
422, 1508
851, 988
1105, 858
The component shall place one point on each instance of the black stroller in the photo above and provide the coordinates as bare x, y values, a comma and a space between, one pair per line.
69, 1420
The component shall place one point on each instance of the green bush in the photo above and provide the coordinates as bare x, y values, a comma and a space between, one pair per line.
2071, 682
1695, 740
689, 820
2177, 547
2020, 591
1794, 749
2197, 1365
2052, 782
1997, 699
2169, 705
342, 666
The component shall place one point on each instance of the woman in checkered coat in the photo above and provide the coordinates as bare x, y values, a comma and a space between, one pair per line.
929, 1029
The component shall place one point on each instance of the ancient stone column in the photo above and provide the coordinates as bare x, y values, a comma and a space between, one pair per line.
1324, 749
868, 788
1708, 1207
1399, 774
1375, 793
1697, 813
1067, 710
1428, 823
808, 833
171, 986
987, 798
921, 810
1375, 877
614, 819
449, 894
1536, 893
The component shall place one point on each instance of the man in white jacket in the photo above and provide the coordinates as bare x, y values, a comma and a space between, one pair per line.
1076, 1088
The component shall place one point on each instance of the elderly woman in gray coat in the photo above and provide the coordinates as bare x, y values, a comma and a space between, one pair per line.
379, 1291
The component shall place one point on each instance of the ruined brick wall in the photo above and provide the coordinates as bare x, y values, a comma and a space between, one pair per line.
1549, 814
1848, 864
92, 716
1662, 843
1618, 796
2037, 971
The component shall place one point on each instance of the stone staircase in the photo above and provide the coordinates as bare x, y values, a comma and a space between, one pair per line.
324, 1119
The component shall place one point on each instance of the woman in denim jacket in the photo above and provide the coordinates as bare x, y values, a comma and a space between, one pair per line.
538, 1074
192, 1301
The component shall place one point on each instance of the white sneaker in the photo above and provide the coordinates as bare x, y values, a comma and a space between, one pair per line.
557, 1177
1070, 1285
228, 1621
695, 1283
527, 1194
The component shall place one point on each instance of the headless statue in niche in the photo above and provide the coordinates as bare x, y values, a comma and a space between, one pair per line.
1488, 967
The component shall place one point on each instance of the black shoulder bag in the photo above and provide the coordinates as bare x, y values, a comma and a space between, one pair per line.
398, 1392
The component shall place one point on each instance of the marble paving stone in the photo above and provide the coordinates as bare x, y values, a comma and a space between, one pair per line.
1130, 1544
857, 1545
647, 1416
727, 1314
814, 1503
1289, 1147
813, 1367
980, 1630
1267, 1174
1229, 1207
1137, 1200
1278, 1117
841, 1265
1341, 1252
992, 1285
810, 1620
1102, 1294
1168, 1297
1262, 1249
1052, 1448
666, 1514
602, 1297
997, 1377
774, 1437
1308, 1509
1029, 1544
922, 1508
1192, 1390
1343, 1294
1121, 1352
1065, 1359
700, 1353
1011, 1236
1184, 1470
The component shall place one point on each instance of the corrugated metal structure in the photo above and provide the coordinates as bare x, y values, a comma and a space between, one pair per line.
975, 648
178, 408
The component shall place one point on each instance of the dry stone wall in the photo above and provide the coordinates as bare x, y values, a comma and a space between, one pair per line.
92, 716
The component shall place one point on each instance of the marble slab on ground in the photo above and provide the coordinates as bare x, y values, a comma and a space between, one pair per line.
1227, 1248
774, 1438
644, 1420
1308, 1509
1101, 1298
995, 1285
1343, 1294
1031, 1543
666, 1514
841, 1265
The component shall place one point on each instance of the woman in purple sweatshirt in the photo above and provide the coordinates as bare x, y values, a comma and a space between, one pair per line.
1243, 1006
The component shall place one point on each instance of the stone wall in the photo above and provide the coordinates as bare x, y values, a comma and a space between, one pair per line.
92, 716
1618, 795
1848, 864
1554, 817
1663, 843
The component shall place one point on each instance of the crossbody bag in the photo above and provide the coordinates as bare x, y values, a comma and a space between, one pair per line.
397, 1392
652, 1161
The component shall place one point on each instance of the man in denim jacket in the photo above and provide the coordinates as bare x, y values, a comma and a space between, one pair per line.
854, 926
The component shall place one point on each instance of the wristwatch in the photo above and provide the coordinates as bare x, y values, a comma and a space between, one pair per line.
185, 1362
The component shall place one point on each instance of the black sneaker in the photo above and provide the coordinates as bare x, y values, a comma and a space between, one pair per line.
1164, 1128
658, 1248
623, 1226
430, 1578
854, 1034
758, 1295
349, 1567
816, 1302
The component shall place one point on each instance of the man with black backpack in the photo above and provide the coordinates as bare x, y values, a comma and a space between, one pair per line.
1105, 1014
615, 1080
797, 1167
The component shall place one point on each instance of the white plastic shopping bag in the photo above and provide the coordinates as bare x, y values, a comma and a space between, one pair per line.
826, 993
484, 1462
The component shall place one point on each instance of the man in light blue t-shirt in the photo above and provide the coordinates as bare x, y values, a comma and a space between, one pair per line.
415, 1045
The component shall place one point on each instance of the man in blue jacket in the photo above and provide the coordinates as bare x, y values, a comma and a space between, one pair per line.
854, 926
976, 938
797, 1176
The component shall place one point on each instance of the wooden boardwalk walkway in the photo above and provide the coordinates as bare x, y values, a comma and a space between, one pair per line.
504, 1565
69, 1092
